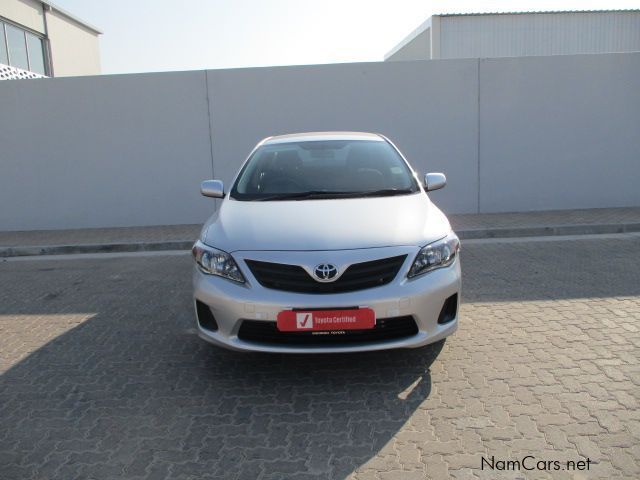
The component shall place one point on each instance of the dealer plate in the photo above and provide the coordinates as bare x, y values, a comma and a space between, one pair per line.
326, 320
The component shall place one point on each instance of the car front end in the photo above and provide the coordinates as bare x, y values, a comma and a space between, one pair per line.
335, 272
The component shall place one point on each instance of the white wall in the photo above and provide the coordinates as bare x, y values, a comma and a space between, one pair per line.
75, 49
511, 134
24, 12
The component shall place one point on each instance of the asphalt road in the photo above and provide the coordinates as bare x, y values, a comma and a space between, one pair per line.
104, 378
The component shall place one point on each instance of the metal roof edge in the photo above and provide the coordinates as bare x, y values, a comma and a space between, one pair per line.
621, 10
71, 16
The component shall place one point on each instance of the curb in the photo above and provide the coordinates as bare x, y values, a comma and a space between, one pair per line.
29, 251
558, 230
472, 234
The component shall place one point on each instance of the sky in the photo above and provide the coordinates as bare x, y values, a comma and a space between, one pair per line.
167, 35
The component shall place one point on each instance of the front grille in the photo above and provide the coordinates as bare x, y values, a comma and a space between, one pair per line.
386, 329
293, 278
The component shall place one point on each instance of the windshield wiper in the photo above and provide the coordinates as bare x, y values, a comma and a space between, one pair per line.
308, 194
386, 192
336, 194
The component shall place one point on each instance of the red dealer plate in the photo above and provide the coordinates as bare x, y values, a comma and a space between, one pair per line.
318, 320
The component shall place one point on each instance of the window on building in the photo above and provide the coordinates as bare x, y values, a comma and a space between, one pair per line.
17, 47
4, 57
22, 49
36, 54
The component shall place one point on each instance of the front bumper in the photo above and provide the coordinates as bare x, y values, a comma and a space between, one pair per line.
421, 298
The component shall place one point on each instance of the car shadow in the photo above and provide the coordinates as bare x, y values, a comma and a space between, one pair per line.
105, 378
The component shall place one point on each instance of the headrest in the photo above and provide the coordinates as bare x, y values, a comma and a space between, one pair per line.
287, 160
363, 156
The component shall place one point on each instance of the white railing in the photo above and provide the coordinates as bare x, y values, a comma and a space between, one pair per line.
13, 73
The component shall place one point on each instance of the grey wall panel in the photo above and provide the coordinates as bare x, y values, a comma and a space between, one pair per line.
555, 132
103, 151
559, 132
429, 109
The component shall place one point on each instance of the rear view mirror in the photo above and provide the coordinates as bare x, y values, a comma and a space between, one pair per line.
212, 188
434, 181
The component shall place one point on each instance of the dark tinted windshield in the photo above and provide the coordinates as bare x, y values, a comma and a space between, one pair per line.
323, 169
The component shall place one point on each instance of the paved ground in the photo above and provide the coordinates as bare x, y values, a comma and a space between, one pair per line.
104, 378
505, 223
593, 216
88, 236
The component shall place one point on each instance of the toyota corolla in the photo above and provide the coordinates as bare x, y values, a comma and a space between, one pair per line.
326, 242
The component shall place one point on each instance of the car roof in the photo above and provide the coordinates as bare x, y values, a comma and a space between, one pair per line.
320, 136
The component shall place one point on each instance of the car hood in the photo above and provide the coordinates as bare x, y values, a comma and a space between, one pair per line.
326, 224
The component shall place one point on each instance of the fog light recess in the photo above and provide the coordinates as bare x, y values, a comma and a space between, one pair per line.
449, 309
205, 317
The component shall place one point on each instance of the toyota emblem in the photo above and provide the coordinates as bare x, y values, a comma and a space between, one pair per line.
325, 272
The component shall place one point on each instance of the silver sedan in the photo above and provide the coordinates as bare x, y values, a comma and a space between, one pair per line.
326, 242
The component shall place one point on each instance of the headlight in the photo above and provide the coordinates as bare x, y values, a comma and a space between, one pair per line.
216, 262
439, 254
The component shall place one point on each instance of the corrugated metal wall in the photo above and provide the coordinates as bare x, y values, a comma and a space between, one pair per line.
486, 36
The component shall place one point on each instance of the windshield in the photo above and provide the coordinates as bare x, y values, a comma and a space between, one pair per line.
324, 169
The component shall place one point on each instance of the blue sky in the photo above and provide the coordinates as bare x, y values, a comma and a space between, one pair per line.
163, 35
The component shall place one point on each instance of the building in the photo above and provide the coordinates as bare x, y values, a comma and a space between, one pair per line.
37, 39
487, 35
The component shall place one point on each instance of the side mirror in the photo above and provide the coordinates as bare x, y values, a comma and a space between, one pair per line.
212, 188
434, 181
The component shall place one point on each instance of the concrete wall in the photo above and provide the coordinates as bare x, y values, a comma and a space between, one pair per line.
435, 131
559, 132
103, 151
75, 49
511, 134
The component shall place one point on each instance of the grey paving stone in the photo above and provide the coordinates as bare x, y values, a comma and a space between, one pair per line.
102, 377
181, 237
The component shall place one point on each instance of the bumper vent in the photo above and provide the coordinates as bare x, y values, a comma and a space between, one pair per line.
293, 278
449, 309
386, 329
205, 317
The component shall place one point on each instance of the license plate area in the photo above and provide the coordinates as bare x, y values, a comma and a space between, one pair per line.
315, 320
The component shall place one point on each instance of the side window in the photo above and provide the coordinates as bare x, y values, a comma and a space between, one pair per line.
36, 54
4, 57
17, 47
22, 49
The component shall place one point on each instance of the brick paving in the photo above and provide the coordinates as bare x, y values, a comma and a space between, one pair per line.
592, 216
89, 236
172, 233
103, 377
